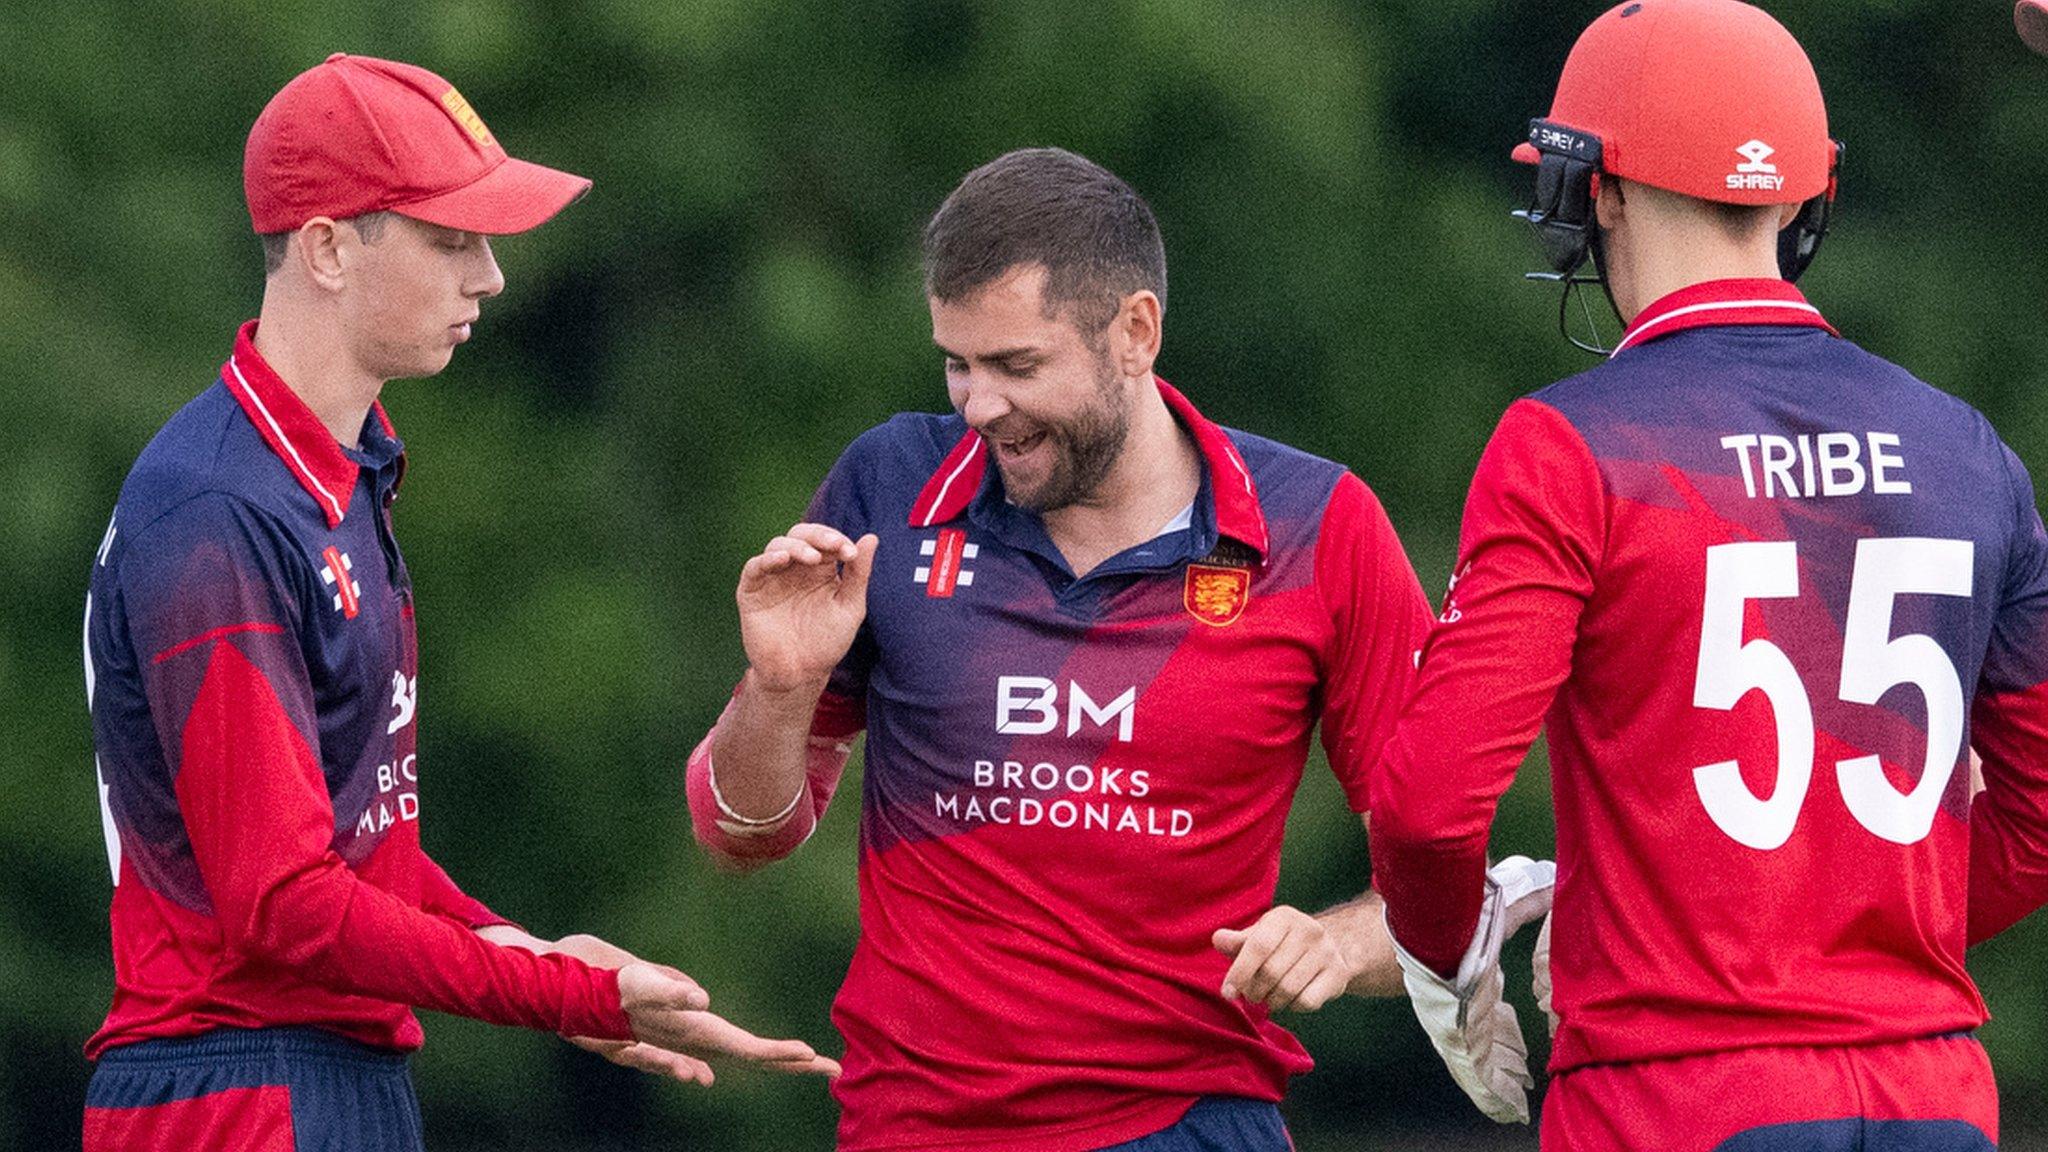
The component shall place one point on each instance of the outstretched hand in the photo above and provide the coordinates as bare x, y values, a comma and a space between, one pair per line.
663, 1014
673, 1031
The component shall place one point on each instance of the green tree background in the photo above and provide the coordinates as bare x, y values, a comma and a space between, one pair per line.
679, 358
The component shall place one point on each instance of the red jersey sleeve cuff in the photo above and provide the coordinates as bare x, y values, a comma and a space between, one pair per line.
739, 840
590, 1007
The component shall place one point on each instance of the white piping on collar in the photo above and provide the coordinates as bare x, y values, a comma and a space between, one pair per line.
305, 473
939, 501
1711, 306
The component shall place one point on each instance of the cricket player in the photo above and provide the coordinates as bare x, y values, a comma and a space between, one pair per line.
253, 677
1765, 591
1088, 633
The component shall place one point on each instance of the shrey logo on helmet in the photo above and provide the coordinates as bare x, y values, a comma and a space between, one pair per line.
1756, 170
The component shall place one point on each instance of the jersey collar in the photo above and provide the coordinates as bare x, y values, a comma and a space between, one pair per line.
1718, 303
308, 450
961, 474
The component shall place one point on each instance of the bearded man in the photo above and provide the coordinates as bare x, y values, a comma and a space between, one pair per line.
1088, 633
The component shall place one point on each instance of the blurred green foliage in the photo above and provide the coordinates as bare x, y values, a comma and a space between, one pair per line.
679, 358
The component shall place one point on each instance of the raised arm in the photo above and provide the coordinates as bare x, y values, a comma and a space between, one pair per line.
765, 773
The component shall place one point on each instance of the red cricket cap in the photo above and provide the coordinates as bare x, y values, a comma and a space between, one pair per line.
1708, 98
356, 134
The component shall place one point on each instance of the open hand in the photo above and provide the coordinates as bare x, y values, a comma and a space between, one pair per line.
679, 999
665, 1016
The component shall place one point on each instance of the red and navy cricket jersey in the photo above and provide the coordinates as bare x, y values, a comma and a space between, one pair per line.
1764, 591
253, 678
1071, 783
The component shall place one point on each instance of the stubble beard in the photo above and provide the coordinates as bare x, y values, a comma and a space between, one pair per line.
1085, 448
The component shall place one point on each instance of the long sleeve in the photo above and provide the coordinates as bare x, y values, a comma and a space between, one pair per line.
440, 895
838, 720
2009, 729
1379, 620
1532, 536
209, 590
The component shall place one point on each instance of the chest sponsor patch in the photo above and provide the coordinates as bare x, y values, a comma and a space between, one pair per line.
348, 594
1216, 595
945, 568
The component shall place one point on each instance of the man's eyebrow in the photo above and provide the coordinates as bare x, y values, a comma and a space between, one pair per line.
998, 354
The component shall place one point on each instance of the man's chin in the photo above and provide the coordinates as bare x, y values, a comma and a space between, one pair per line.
418, 367
1041, 497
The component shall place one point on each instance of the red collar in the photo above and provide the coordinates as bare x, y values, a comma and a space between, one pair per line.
308, 450
1723, 302
953, 487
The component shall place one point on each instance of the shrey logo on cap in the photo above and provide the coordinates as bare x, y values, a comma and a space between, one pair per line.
467, 117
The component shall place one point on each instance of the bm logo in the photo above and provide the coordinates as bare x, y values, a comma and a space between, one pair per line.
1029, 706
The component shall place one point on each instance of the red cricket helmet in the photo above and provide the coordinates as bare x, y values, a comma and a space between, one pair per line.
1709, 98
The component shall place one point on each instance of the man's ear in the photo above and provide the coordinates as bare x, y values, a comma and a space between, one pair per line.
1612, 204
317, 247
1136, 332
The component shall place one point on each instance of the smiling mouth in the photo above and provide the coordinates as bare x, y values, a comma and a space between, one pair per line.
1019, 446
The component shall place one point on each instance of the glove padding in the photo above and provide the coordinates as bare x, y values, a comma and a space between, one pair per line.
1473, 1029
1539, 983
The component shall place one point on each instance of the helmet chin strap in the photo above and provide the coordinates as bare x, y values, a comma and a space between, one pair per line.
1575, 282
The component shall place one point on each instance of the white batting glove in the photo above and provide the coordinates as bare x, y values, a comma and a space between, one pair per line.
1540, 982
1473, 1029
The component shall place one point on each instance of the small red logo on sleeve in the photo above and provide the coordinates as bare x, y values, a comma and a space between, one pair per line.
1214, 595
336, 575
946, 568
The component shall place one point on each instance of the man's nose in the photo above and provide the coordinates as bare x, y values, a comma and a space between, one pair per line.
982, 402
490, 280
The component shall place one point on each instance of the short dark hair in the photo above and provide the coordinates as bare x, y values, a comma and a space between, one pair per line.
1741, 222
1094, 235
278, 245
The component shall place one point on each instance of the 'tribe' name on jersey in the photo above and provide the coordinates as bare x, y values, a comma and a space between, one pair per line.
1823, 464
